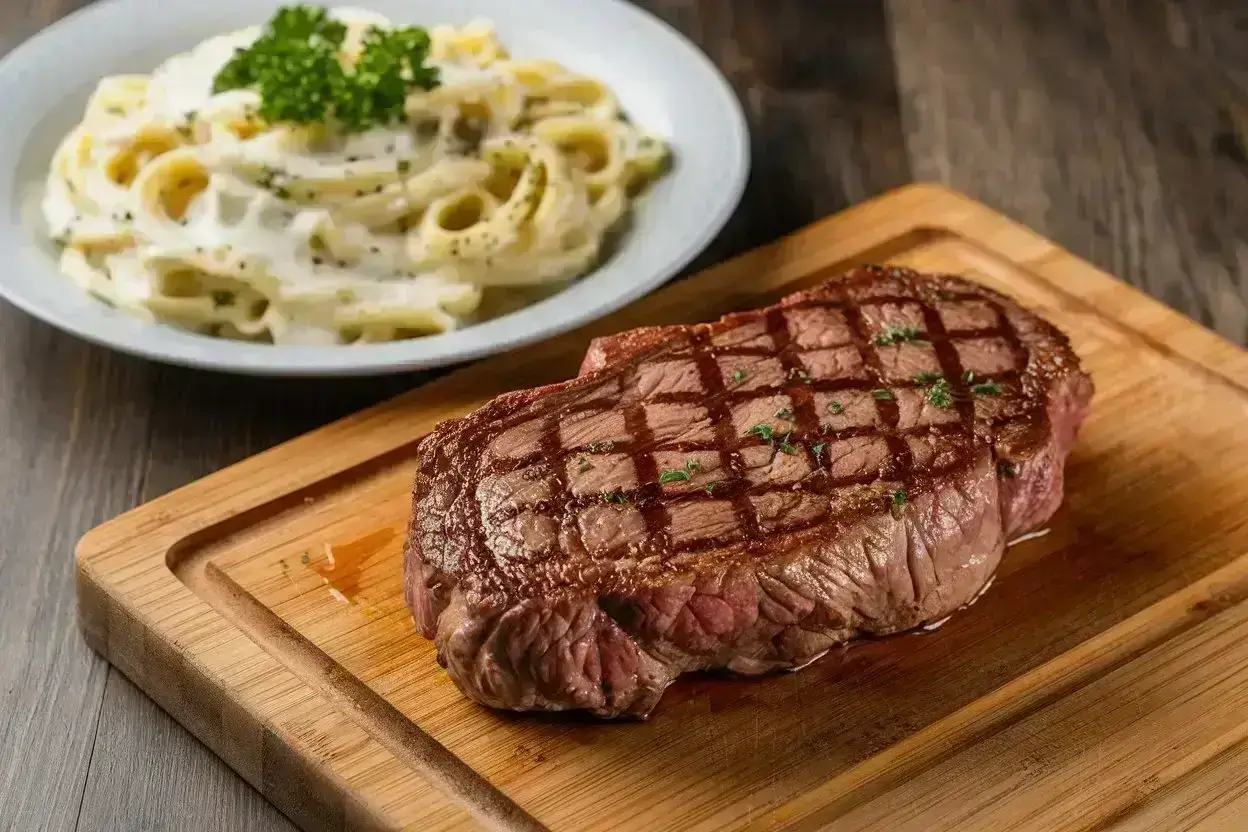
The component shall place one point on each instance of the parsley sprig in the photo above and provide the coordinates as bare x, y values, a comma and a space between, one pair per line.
294, 65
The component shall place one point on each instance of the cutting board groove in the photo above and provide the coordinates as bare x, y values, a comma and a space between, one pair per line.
262, 607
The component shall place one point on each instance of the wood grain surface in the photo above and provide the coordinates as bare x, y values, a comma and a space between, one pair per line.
1117, 128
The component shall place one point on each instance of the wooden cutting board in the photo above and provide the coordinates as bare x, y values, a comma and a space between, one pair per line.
1102, 683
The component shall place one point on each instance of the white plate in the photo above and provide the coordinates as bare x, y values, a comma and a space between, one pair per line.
663, 82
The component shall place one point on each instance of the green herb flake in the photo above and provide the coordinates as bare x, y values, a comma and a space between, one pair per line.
837, 408
786, 448
404, 165
583, 463
763, 432
987, 388
784, 413
897, 335
601, 447
222, 298
739, 376
305, 558
928, 378
710, 487
880, 394
616, 497
817, 450
940, 395
897, 502
673, 476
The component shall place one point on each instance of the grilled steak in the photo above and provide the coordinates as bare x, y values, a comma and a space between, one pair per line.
744, 494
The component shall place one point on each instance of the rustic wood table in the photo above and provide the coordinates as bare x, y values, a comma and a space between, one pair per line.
1118, 129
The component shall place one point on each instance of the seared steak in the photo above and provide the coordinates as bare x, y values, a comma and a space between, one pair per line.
744, 494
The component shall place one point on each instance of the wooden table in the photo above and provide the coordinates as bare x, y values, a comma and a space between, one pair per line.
1118, 129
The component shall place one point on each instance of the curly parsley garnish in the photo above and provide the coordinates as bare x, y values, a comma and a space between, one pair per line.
294, 65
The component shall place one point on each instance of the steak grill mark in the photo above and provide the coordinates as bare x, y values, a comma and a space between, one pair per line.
649, 498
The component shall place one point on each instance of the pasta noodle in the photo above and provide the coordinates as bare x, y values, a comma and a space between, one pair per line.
185, 207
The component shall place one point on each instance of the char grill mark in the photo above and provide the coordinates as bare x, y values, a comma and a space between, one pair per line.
719, 398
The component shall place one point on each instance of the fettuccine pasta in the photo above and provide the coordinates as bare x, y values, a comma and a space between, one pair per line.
185, 207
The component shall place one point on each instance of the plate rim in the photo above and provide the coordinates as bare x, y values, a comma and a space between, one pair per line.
244, 358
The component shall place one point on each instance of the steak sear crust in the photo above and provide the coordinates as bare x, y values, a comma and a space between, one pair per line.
744, 494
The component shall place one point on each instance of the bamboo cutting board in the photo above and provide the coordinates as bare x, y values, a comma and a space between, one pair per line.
1102, 683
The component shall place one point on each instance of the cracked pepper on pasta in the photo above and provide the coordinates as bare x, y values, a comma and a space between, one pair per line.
185, 206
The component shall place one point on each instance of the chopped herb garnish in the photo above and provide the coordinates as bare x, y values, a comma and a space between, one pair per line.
294, 65
882, 395
680, 475
896, 335
281, 192
940, 395
403, 165
1006, 469
987, 388
614, 497
837, 408
601, 447
928, 378
763, 432
710, 487
784, 413
305, 558
585, 464
739, 376
898, 502
786, 448
817, 450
